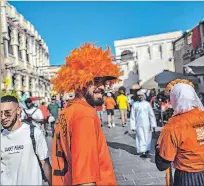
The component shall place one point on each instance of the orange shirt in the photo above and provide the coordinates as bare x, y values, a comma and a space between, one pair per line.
182, 141
44, 111
80, 153
110, 103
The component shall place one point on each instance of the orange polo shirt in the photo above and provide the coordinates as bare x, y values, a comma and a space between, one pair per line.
109, 103
182, 141
80, 153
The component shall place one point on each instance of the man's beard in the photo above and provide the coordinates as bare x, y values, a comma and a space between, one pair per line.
12, 123
91, 101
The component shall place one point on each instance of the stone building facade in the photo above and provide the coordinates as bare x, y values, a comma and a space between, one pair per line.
142, 58
25, 53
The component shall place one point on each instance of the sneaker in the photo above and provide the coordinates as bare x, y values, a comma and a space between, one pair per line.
113, 125
143, 155
109, 125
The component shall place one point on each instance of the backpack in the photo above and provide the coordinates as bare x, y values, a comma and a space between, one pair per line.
32, 136
29, 116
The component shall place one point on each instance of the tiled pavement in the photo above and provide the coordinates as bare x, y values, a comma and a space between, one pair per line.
129, 168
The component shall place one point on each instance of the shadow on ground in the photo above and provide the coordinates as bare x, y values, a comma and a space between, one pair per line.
127, 148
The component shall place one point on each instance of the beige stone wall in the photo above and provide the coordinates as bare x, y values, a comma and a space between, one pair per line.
25, 53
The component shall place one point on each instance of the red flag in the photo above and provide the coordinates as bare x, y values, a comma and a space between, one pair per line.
196, 40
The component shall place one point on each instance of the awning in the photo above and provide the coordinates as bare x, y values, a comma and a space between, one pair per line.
196, 67
167, 76
197, 62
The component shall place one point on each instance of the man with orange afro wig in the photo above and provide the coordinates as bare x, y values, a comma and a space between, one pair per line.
80, 153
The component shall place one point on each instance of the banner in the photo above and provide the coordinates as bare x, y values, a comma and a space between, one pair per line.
196, 40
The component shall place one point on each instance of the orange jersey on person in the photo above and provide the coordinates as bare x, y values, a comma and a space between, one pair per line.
109, 103
182, 141
44, 111
80, 153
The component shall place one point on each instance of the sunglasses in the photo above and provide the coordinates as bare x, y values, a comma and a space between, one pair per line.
8, 113
99, 91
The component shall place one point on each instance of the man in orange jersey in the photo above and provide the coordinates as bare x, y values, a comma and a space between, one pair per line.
110, 106
182, 139
80, 154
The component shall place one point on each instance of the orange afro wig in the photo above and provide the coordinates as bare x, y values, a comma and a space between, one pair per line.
82, 66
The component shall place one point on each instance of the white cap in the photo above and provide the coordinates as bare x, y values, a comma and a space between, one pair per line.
109, 94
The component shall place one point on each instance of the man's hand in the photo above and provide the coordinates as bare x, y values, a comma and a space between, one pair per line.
47, 170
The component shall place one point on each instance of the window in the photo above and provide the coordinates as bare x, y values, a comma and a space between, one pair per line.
10, 47
160, 51
126, 55
30, 83
136, 55
27, 55
13, 80
5, 49
19, 51
149, 52
22, 81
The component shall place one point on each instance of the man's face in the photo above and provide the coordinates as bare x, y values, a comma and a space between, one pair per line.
10, 112
53, 101
95, 93
29, 105
141, 97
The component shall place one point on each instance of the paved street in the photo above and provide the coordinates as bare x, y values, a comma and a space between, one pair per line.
129, 168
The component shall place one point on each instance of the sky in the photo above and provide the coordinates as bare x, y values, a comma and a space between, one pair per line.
66, 25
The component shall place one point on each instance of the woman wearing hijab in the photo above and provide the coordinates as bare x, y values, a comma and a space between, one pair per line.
143, 121
182, 139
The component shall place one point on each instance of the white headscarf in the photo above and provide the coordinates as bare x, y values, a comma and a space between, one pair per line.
109, 94
141, 93
184, 98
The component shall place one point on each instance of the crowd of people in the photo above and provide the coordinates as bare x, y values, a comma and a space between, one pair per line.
80, 154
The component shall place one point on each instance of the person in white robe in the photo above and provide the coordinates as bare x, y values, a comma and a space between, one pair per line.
143, 121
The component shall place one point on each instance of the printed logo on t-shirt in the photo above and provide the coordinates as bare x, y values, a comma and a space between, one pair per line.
62, 121
14, 149
200, 133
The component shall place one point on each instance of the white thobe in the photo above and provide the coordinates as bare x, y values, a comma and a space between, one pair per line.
142, 120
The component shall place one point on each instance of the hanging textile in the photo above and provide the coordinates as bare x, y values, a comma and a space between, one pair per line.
196, 40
